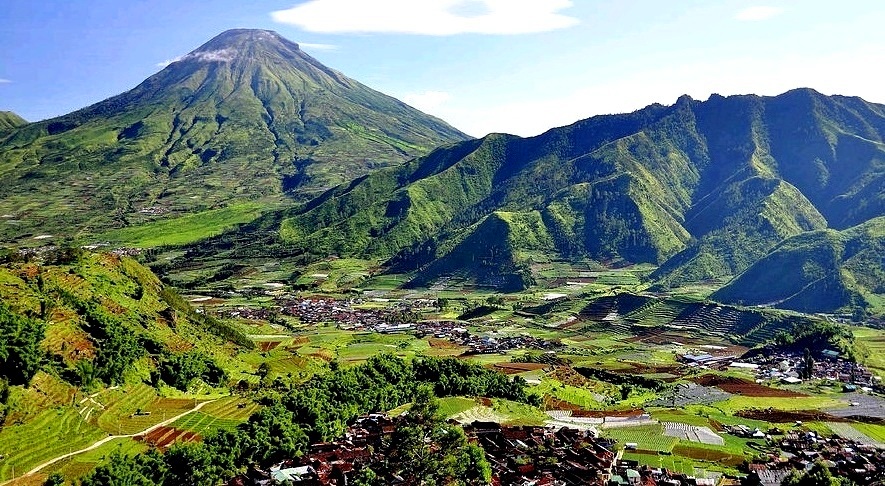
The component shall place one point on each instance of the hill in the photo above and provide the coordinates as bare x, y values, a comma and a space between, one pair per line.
9, 120
703, 189
91, 318
245, 118
819, 271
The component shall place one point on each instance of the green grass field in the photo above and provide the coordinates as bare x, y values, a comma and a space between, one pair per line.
450, 406
184, 229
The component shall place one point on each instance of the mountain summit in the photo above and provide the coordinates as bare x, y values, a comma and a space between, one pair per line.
247, 116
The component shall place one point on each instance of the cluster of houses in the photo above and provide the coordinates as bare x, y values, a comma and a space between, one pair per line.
789, 367
828, 365
330, 463
518, 455
342, 313
845, 458
524, 455
476, 344
544, 455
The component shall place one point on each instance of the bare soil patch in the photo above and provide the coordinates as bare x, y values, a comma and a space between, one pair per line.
268, 345
747, 388
163, 437
442, 343
782, 416
514, 368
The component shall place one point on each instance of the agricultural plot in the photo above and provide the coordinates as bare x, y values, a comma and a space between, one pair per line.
580, 397
203, 424
80, 464
646, 437
133, 409
690, 394
53, 432
450, 406
744, 387
873, 431
502, 411
861, 405
692, 433
163, 437
848, 431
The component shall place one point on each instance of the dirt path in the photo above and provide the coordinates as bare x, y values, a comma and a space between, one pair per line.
106, 440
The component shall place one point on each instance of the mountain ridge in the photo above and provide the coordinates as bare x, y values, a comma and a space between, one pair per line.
702, 188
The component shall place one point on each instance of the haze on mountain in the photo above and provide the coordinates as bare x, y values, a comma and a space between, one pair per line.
703, 189
247, 116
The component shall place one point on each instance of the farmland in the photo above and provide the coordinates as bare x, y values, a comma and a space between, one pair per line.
641, 391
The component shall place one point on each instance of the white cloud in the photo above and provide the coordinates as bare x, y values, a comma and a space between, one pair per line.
168, 62
427, 101
317, 47
757, 13
428, 17
5, 81
221, 55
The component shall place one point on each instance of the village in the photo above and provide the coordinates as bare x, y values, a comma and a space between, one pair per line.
846, 458
402, 317
563, 456
791, 368
518, 455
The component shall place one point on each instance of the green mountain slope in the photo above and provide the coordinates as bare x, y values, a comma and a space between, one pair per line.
246, 116
818, 271
703, 188
9, 120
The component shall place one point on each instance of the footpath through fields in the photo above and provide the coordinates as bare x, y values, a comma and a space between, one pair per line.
105, 440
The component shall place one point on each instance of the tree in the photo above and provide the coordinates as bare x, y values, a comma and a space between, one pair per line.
86, 372
55, 479
426, 450
818, 475
20, 353
122, 470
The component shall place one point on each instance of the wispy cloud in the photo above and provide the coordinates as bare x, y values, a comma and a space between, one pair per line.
220, 55
427, 100
428, 17
757, 13
318, 47
168, 62
5, 81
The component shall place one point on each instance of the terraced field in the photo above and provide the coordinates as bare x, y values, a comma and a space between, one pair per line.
136, 408
52, 433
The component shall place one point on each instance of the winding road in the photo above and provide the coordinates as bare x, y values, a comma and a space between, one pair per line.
105, 440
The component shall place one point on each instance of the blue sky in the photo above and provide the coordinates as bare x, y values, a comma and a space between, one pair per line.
516, 66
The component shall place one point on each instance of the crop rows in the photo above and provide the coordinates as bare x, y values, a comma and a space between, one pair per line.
646, 437
54, 432
846, 431
117, 418
692, 433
